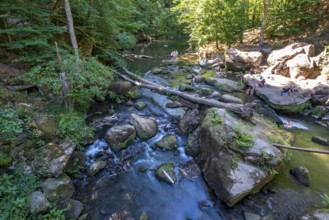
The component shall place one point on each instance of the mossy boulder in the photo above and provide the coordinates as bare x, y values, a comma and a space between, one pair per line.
186, 87
140, 105
120, 136
94, 168
165, 172
121, 88
320, 111
58, 188
46, 126
168, 142
74, 208
225, 85
52, 159
76, 163
145, 127
238, 158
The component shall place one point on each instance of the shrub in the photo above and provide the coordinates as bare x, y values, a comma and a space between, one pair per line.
87, 82
73, 127
10, 124
5, 159
14, 192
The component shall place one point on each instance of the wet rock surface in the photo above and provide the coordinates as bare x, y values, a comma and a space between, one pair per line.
145, 127
120, 136
301, 175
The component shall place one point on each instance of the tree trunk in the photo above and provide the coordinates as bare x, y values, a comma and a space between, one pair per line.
266, 4
71, 30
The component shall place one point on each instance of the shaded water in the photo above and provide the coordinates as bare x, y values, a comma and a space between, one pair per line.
131, 193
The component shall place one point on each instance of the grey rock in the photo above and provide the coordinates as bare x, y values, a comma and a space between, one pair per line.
168, 142
75, 208
95, 167
301, 174
120, 136
57, 189
145, 127
38, 203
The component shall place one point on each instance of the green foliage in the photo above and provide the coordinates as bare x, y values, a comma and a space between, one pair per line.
10, 124
14, 192
263, 163
89, 81
325, 199
242, 139
5, 159
216, 119
54, 214
73, 127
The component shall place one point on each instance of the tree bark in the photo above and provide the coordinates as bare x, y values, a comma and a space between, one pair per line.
266, 4
71, 30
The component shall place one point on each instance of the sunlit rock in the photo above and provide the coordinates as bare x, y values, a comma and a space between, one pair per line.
293, 102
236, 157
145, 127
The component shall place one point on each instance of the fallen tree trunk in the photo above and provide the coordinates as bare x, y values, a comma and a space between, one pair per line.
302, 149
237, 108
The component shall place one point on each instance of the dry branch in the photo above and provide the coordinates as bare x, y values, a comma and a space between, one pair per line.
302, 149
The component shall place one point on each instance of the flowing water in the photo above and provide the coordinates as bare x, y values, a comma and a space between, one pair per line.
136, 190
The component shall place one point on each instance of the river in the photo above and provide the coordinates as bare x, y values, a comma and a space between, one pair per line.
133, 192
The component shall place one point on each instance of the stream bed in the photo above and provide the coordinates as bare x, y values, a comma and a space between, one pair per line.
136, 190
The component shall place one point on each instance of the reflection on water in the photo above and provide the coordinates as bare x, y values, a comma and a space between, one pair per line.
159, 50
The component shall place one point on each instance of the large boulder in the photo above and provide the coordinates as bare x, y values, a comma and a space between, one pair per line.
318, 88
240, 59
120, 136
38, 203
296, 61
238, 158
57, 189
280, 55
302, 67
168, 142
225, 85
294, 102
52, 159
145, 127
